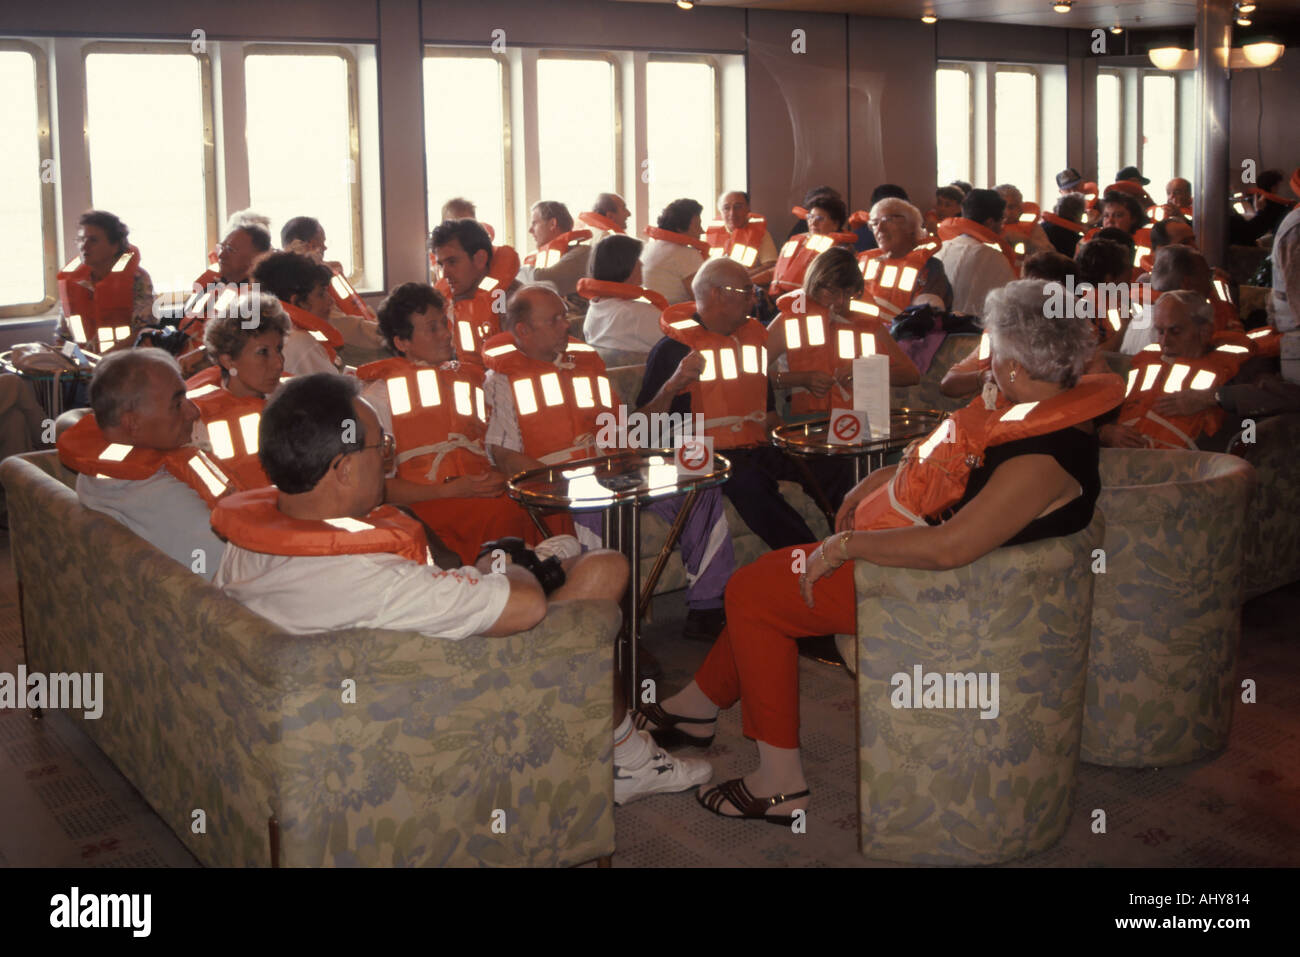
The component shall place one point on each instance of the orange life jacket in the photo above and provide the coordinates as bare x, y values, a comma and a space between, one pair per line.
1070, 224
1133, 189
797, 255
1142, 258
83, 448
599, 221
933, 472
473, 319
347, 299
439, 417
232, 422
1267, 341
890, 282
731, 392
549, 254
320, 329
557, 403
1165, 210
1151, 376
742, 245
252, 521
100, 318
950, 229
210, 297
601, 289
816, 343
678, 239
1271, 197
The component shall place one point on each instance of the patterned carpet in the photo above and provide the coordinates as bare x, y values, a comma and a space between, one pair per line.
63, 804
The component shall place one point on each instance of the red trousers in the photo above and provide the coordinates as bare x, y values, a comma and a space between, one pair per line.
464, 524
755, 659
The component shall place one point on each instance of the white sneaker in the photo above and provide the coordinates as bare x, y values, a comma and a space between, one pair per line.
662, 774
562, 546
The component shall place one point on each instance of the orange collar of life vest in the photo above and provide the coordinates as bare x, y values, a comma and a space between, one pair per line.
1071, 225
601, 289
77, 271
961, 226
400, 365
85, 449
1271, 197
320, 329
600, 221
679, 322
679, 239
551, 251
253, 521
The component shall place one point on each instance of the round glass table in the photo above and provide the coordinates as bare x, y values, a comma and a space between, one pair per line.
813, 438
617, 486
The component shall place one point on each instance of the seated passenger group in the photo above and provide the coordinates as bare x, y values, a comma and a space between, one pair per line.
335, 468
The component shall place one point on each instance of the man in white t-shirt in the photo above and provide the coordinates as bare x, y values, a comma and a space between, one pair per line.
140, 410
972, 260
319, 551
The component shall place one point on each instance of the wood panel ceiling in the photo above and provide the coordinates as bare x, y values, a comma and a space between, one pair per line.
1130, 14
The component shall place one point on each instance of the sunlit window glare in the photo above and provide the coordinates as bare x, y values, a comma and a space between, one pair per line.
1110, 122
144, 121
576, 130
953, 124
300, 160
1159, 131
1016, 131
682, 133
465, 155
21, 249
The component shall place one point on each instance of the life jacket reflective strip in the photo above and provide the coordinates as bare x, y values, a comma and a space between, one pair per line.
950, 229
205, 379
347, 299
232, 422
601, 289
731, 392
558, 403
100, 318
474, 318
816, 343
1267, 341
251, 520
1151, 376
797, 255
599, 221
550, 253
83, 448
1165, 210
742, 245
1030, 213
1222, 286
439, 417
678, 239
1064, 223
891, 281
933, 472
1090, 193
319, 329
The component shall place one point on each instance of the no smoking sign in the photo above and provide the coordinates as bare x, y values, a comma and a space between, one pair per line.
847, 427
695, 457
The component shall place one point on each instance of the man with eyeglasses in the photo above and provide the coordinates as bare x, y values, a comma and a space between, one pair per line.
713, 360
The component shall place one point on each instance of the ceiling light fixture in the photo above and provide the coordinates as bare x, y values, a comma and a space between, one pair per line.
1258, 53
1063, 6
1117, 29
1245, 7
686, 4
929, 18
1243, 21
1172, 58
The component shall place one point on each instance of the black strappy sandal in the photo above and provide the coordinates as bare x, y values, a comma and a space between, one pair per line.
665, 735
751, 808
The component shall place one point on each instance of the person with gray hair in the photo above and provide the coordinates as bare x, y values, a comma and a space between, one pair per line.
609, 214
917, 275
1042, 486
1176, 397
136, 462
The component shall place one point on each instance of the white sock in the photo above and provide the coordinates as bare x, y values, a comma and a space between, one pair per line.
631, 748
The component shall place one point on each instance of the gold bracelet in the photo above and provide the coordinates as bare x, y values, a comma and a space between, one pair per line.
844, 545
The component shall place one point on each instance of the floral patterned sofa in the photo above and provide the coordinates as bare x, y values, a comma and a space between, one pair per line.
1273, 518
1166, 615
487, 751
947, 786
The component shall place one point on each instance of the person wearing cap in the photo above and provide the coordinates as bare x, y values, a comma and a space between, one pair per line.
1131, 174
1069, 180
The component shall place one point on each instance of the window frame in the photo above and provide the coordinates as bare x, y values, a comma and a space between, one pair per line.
554, 53
507, 137
1038, 120
357, 274
712, 64
45, 152
970, 112
1122, 86
209, 123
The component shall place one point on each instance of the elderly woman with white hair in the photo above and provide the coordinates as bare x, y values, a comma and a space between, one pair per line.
1037, 479
903, 270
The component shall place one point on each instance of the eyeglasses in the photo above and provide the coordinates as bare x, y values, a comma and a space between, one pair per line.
881, 220
739, 290
387, 446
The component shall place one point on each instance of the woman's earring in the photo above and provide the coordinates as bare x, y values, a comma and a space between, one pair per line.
1013, 375
233, 371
